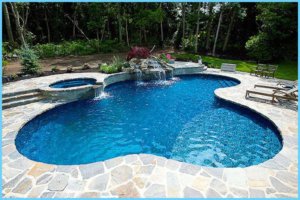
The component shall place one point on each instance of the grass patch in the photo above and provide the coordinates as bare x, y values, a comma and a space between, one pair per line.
287, 70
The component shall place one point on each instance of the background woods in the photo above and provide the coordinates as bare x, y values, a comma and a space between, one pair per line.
259, 31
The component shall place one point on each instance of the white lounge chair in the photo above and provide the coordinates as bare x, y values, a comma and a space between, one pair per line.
278, 86
228, 67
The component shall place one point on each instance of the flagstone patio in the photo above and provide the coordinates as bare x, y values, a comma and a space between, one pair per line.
146, 175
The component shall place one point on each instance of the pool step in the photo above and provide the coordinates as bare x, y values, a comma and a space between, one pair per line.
20, 98
19, 93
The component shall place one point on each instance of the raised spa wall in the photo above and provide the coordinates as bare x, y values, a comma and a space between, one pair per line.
88, 91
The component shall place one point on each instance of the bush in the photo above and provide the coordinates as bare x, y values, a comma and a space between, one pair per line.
186, 57
257, 47
78, 47
118, 63
188, 44
138, 52
109, 69
54, 69
29, 61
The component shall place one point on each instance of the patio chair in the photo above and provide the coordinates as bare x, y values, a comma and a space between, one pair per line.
278, 86
258, 70
276, 94
270, 71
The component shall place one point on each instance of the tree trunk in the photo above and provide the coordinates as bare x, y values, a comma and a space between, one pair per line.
183, 20
97, 34
76, 24
103, 31
197, 28
126, 30
7, 23
19, 28
217, 33
209, 27
161, 30
74, 27
47, 25
119, 27
229, 29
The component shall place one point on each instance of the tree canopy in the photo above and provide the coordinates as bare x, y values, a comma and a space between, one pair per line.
261, 31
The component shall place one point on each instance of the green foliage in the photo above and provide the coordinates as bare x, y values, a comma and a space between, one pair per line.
186, 57
54, 69
188, 44
257, 47
29, 61
164, 58
126, 65
117, 63
277, 37
78, 47
109, 69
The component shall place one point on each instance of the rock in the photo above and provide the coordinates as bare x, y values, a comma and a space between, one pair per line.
90, 170
47, 194
121, 174
126, 191
89, 195
239, 192
191, 193
219, 186
280, 187
155, 191
58, 183
173, 186
172, 164
23, 187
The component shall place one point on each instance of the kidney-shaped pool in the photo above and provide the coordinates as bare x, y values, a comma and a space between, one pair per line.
183, 121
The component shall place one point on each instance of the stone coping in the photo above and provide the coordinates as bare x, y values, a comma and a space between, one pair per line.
146, 175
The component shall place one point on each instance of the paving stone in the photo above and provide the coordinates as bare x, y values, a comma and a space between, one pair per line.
189, 169
91, 170
160, 161
130, 158
155, 191
14, 155
280, 187
36, 191
288, 178
201, 183
191, 193
239, 192
172, 164
99, 182
126, 191
14, 181
211, 193
74, 173
58, 183
257, 193
216, 172
45, 178
64, 195
235, 177
22, 164
39, 169
89, 195
47, 194
121, 174
139, 181
173, 186
147, 159
147, 169
113, 162
219, 186
23, 187
75, 185
65, 168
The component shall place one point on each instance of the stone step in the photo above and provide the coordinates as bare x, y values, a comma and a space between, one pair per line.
21, 102
10, 94
19, 97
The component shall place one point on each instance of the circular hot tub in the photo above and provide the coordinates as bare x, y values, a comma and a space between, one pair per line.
73, 83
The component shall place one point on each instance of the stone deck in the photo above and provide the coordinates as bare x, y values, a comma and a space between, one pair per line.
147, 175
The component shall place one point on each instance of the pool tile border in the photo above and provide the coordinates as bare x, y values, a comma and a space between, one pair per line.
145, 175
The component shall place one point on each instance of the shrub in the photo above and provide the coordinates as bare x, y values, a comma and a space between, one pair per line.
188, 44
138, 52
257, 47
186, 57
109, 69
69, 69
29, 61
126, 65
78, 47
118, 63
164, 58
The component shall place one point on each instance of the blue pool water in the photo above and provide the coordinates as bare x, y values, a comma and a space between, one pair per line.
73, 83
183, 121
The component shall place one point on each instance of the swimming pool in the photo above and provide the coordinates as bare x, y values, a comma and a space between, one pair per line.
182, 121
73, 83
